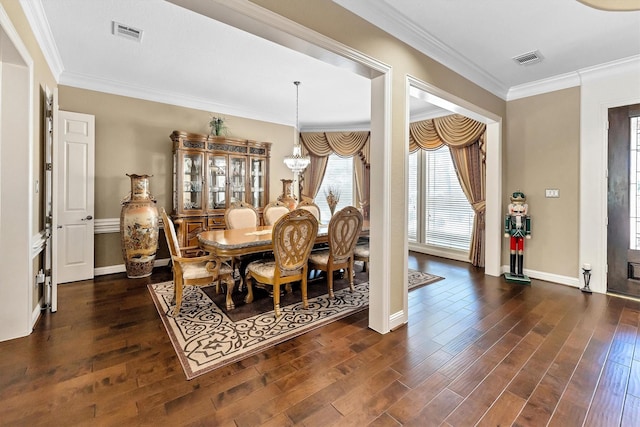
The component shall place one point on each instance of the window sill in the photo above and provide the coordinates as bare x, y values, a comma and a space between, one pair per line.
440, 252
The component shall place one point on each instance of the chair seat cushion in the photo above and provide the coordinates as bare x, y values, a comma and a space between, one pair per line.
266, 268
199, 270
361, 251
195, 271
319, 257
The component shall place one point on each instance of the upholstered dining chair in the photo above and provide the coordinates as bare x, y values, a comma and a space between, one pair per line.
194, 271
292, 236
241, 215
309, 205
344, 230
361, 253
273, 211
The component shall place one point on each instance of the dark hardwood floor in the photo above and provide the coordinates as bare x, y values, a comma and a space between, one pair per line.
476, 350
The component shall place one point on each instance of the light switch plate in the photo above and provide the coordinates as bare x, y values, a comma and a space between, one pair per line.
552, 192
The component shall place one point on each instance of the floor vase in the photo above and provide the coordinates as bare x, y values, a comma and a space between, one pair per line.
139, 228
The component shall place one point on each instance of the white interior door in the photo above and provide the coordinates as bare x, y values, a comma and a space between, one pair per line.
75, 170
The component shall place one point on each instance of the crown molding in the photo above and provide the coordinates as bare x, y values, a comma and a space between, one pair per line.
577, 78
411, 34
539, 87
87, 82
610, 69
83, 81
37, 19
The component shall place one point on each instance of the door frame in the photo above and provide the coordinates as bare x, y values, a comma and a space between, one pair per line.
610, 86
17, 279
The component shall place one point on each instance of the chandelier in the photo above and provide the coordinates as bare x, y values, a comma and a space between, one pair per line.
296, 161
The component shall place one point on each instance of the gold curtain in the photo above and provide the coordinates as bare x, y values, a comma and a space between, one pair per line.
454, 130
320, 145
313, 175
465, 138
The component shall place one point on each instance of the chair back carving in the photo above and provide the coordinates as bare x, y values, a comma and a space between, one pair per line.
170, 234
344, 230
309, 205
241, 215
274, 211
293, 236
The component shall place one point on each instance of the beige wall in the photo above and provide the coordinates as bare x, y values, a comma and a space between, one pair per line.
542, 151
132, 136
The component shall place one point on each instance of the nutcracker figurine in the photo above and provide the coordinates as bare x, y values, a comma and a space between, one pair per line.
517, 226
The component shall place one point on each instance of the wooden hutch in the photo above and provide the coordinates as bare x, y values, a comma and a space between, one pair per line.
209, 173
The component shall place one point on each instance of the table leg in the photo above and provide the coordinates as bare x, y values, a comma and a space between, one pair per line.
230, 285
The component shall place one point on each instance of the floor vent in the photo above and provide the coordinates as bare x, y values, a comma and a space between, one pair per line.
528, 58
126, 31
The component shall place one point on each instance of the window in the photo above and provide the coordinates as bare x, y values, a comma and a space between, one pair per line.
412, 200
339, 173
447, 221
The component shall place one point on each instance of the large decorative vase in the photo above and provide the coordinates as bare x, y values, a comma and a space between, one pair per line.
139, 228
287, 194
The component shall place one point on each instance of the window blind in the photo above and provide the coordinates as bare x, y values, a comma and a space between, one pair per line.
339, 173
412, 200
449, 217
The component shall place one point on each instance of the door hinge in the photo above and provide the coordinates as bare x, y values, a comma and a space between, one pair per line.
48, 166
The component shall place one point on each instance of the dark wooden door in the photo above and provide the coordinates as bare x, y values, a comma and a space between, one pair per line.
623, 275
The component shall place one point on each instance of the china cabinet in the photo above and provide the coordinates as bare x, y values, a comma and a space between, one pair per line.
209, 173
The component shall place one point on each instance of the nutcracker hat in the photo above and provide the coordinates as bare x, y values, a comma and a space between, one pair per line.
518, 196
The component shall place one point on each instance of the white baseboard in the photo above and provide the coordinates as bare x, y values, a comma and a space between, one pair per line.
120, 268
548, 277
397, 319
37, 311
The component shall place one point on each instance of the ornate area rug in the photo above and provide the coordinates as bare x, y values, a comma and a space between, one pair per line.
205, 338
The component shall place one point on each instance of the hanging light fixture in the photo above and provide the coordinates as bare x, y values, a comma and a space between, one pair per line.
613, 5
296, 161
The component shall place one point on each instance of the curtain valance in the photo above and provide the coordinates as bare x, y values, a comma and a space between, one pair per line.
455, 131
344, 144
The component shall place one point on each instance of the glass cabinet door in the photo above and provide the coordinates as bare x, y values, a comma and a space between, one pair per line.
257, 182
237, 184
217, 167
193, 180
174, 196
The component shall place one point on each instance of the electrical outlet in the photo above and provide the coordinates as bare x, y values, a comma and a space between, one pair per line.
552, 192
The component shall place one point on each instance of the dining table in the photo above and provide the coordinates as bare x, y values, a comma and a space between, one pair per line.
238, 242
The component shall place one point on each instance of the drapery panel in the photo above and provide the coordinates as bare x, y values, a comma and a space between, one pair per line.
320, 145
465, 138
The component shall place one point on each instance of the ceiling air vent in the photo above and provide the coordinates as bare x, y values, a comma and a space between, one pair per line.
126, 31
528, 58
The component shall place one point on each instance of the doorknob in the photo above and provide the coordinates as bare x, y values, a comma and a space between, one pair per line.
88, 218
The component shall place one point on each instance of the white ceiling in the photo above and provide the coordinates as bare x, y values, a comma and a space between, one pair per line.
191, 60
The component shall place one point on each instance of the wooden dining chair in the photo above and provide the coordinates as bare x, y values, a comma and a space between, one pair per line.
292, 236
310, 206
202, 270
241, 215
344, 230
361, 253
273, 211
